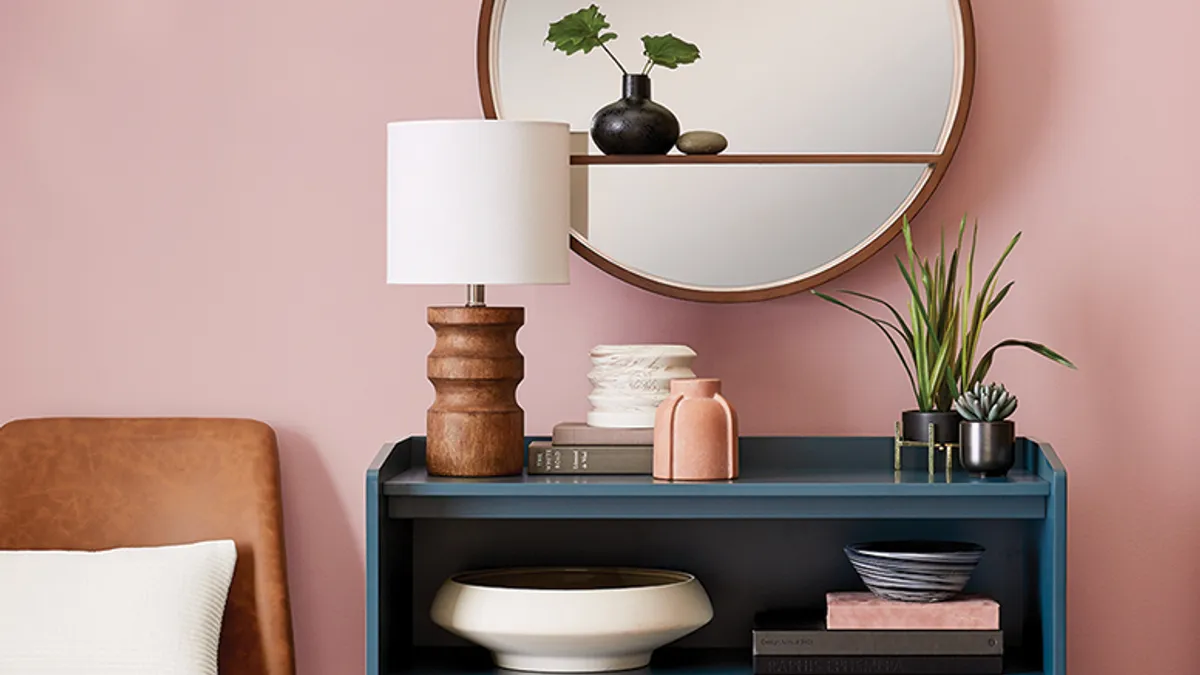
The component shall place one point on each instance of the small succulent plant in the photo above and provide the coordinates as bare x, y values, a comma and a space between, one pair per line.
986, 403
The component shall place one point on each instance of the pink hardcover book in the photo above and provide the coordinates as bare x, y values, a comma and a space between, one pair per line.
866, 611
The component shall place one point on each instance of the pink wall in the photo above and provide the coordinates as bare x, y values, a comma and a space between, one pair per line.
192, 222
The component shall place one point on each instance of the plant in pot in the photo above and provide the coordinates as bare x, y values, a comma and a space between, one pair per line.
635, 124
987, 436
938, 343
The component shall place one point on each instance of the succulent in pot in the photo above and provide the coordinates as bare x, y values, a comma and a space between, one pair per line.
987, 438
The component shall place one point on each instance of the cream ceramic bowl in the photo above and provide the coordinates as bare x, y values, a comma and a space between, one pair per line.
570, 620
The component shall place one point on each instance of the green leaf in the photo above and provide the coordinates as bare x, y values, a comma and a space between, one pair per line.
880, 324
996, 300
982, 303
669, 51
986, 289
908, 338
985, 362
916, 295
901, 330
580, 31
969, 338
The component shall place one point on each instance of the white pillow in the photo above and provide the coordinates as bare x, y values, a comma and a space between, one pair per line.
129, 610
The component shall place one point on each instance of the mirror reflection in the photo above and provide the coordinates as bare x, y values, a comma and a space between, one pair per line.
784, 79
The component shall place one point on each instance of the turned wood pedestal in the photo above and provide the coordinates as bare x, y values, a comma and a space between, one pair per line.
475, 427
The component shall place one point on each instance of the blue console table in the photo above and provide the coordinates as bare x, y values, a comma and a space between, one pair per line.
773, 538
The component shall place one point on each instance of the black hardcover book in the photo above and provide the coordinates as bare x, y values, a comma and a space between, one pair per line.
878, 665
793, 633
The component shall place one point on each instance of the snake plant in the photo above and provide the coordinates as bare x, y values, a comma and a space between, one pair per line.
940, 336
986, 403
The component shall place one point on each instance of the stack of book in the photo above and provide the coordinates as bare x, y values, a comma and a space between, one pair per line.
860, 634
577, 449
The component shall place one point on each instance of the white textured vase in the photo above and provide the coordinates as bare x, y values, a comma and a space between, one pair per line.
629, 381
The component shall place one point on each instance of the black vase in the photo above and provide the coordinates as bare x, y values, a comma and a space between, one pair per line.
988, 448
915, 426
635, 125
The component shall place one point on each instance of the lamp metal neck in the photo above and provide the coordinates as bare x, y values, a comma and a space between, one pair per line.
475, 296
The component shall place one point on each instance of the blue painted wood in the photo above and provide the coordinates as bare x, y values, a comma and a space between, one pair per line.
801, 453
388, 598
746, 565
1052, 562
780, 478
757, 480
842, 487
717, 507
665, 662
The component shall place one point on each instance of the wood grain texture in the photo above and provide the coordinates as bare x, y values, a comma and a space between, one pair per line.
475, 427
779, 158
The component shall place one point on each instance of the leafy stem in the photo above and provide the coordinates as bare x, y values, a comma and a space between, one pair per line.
587, 29
615, 60
667, 51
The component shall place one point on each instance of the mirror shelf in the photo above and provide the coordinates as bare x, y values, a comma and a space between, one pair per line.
842, 117
807, 158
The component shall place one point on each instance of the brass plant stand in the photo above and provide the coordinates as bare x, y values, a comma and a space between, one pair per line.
932, 447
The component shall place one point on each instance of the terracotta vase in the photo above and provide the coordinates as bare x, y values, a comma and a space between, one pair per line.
695, 433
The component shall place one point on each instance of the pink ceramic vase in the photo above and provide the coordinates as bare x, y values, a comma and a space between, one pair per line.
695, 433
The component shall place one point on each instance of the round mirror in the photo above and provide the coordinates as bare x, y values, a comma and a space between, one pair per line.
839, 118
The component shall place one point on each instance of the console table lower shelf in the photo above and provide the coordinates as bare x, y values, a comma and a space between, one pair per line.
771, 539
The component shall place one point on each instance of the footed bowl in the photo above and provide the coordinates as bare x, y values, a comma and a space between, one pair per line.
571, 620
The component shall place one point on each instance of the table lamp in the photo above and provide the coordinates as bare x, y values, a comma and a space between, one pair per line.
477, 202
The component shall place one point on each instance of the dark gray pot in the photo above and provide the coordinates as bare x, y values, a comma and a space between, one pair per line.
635, 125
915, 426
988, 448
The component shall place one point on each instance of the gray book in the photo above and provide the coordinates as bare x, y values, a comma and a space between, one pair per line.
578, 433
545, 458
791, 634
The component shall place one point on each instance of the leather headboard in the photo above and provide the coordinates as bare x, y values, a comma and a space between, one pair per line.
97, 483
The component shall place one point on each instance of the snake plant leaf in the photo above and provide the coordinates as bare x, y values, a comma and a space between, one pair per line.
916, 294
899, 321
970, 340
950, 290
985, 362
985, 291
996, 300
580, 31
901, 329
879, 323
931, 336
669, 51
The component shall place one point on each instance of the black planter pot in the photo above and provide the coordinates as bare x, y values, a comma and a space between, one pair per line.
915, 426
988, 448
635, 125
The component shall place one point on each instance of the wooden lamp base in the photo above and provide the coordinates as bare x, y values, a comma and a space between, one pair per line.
475, 429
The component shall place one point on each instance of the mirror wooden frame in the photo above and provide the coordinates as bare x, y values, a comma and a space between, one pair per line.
937, 164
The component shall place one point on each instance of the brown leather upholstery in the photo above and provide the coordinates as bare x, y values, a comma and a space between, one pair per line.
91, 483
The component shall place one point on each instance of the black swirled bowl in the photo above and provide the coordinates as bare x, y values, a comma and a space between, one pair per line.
915, 571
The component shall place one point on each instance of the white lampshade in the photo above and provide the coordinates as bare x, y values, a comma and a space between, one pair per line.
478, 202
